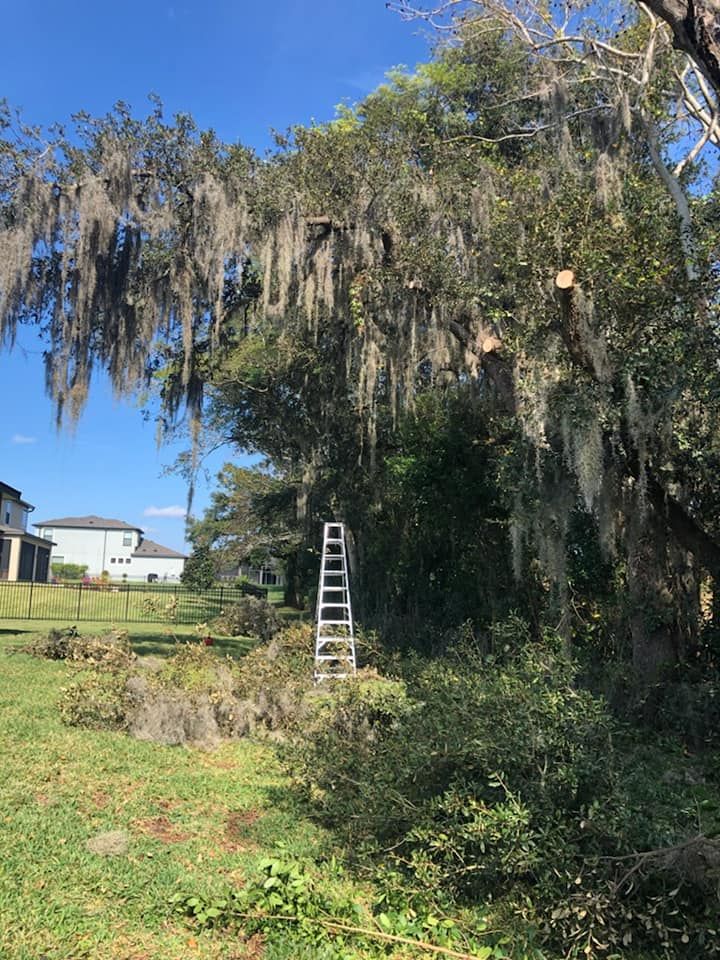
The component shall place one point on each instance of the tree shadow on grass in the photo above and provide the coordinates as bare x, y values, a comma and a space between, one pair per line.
151, 644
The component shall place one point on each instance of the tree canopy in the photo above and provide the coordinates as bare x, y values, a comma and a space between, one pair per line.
474, 316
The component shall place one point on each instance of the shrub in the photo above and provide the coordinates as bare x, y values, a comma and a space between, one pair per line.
69, 571
492, 778
249, 617
199, 571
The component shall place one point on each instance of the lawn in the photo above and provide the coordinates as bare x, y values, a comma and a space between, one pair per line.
146, 638
120, 603
195, 820
136, 603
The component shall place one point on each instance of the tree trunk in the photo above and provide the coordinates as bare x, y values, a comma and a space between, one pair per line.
653, 615
291, 592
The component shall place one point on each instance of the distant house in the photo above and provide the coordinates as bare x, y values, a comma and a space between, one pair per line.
101, 544
270, 574
23, 556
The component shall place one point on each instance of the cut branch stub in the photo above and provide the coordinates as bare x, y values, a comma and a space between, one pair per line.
491, 344
565, 280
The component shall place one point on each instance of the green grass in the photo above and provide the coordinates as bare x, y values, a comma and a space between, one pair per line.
153, 604
196, 821
146, 638
139, 603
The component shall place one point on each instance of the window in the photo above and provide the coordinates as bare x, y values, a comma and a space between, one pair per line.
112, 559
127, 539
47, 534
127, 559
7, 517
57, 560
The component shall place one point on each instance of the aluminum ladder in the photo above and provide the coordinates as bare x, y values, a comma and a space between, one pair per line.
334, 637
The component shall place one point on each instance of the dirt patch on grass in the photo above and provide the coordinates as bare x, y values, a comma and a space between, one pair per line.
238, 829
254, 947
237, 822
160, 828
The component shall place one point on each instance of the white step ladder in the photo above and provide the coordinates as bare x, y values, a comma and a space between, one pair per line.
334, 638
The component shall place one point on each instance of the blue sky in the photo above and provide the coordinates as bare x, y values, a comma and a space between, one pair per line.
240, 67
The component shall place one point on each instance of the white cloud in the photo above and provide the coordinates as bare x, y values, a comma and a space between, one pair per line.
21, 438
173, 511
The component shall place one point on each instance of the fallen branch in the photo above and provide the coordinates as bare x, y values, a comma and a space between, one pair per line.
362, 932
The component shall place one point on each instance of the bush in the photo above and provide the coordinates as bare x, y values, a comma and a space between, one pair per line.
249, 617
492, 778
69, 571
199, 571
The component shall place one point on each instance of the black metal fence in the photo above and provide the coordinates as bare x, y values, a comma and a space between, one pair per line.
117, 603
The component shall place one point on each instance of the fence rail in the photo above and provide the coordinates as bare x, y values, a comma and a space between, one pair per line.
116, 603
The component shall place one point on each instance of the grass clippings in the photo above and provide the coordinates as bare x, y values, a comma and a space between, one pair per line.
110, 843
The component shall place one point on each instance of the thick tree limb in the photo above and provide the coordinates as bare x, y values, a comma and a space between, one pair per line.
696, 30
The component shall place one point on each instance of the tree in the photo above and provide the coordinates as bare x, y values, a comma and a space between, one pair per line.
694, 27
409, 249
251, 519
199, 571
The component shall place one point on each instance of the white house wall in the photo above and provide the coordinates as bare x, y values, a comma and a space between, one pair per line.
164, 567
98, 550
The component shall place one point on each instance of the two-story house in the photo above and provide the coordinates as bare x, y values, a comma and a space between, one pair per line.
112, 546
23, 556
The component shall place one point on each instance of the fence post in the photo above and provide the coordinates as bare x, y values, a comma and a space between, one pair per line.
80, 586
30, 600
221, 596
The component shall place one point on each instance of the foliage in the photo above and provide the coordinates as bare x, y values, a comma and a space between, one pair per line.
274, 678
249, 617
199, 570
69, 571
193, 695
287, 900
247, 520
388, 276
492, 776
110, 651
96, 700
160, 607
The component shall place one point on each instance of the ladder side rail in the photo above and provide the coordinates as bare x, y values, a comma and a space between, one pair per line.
347, 589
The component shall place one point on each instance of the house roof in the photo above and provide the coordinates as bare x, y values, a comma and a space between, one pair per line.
6, 531
148, 548
90, 522
15, 495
